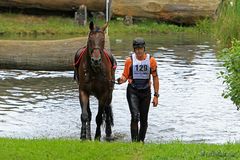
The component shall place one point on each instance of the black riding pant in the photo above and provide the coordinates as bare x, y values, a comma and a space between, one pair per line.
139, 102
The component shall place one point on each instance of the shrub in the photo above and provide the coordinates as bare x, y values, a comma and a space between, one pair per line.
231, 76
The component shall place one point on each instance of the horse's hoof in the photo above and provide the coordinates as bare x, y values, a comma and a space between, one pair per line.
97, 138
89, 138
109, 138
83, 137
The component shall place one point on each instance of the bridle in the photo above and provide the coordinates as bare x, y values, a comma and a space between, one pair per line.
95, 50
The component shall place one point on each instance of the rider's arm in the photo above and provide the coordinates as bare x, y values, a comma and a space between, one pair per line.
156, 86
155, 81
125, 74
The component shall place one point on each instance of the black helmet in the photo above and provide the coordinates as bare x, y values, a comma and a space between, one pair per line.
138, 43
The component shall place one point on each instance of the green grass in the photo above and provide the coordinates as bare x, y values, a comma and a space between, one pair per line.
147, 26
75, 149
27, 25
227, 26
37, 25
224, 29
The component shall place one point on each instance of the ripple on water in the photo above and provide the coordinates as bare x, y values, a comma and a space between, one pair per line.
46, 104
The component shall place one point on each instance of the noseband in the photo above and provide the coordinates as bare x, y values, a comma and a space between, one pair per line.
96, 62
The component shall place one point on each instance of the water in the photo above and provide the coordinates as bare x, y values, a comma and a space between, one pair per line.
44, 104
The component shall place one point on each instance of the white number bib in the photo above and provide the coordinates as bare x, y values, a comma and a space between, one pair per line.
141, 69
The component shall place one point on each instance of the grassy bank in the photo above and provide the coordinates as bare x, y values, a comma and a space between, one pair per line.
75, 149
227, 26
227, 31
27, 25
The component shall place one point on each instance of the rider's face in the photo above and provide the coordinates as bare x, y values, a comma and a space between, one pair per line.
139, 51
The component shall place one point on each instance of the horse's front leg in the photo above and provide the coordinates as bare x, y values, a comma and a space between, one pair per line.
85, 116
99, 120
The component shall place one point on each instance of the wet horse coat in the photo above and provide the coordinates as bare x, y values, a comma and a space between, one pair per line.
95, 73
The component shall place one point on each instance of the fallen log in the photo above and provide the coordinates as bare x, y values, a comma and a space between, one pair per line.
176, 11
53, 55
64, 5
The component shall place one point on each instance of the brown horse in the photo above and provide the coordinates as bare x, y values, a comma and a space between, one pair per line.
95, 74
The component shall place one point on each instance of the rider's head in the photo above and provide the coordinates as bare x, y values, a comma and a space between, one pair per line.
138, 43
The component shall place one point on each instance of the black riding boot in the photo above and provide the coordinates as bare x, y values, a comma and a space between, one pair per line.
134, 131
142, 133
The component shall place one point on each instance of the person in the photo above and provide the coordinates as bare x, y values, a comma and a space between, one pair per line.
137, 70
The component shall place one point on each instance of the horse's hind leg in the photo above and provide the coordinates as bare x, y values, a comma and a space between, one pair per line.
88, 126
85, 116
109, 122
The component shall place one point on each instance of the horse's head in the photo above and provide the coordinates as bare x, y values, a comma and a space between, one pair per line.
95, 44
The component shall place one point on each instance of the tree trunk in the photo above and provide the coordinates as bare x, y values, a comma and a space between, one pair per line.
177, 11
67, 5
41, 55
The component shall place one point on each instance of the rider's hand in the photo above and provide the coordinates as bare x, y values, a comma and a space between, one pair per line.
119, 81
155, 101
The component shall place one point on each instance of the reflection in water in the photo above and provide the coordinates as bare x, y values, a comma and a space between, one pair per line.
45, 104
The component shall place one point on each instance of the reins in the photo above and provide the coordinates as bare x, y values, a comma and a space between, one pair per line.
114, 81
80, 56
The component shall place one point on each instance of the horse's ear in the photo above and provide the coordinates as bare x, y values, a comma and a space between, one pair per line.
105, 26
91, 26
